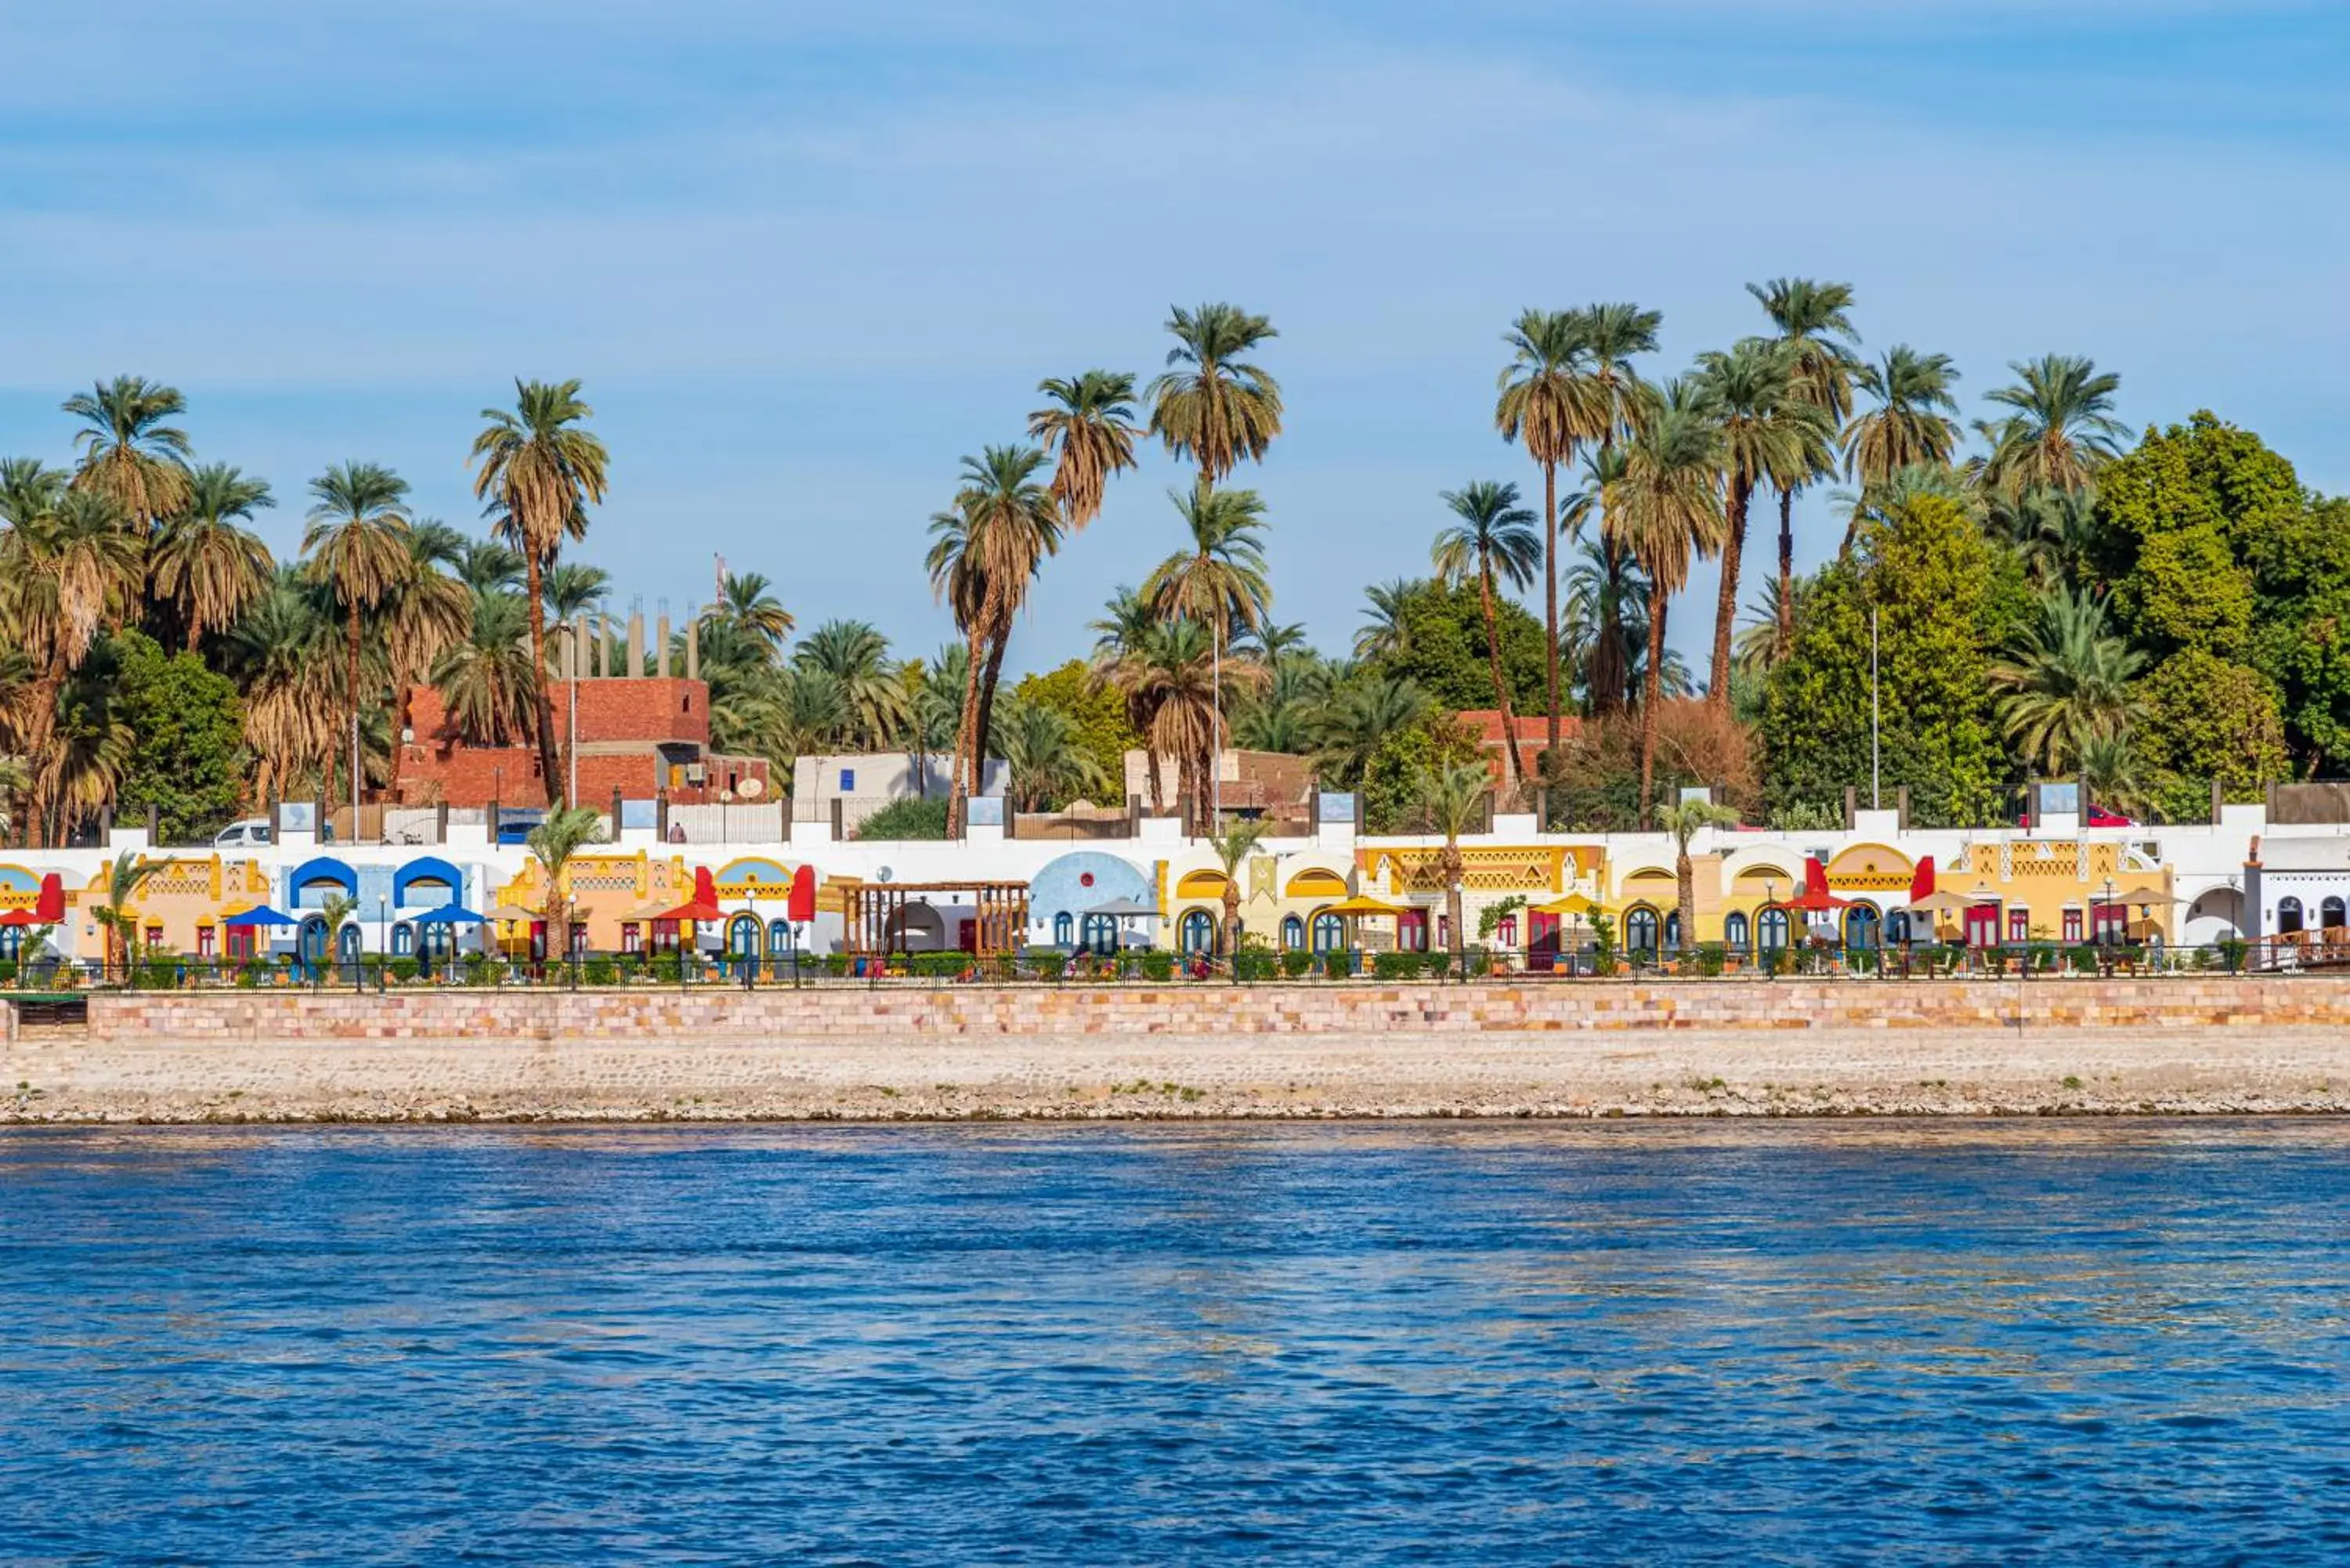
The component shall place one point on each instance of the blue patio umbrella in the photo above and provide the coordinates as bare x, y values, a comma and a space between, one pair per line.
261, 915
448, 914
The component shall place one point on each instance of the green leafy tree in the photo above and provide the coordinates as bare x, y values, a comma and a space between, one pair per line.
1441, 647
190, 760
2207, 718
1390, 777
1931, 573
1099, 724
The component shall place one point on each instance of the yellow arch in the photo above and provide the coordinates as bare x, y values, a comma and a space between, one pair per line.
1202, 885
1317, 882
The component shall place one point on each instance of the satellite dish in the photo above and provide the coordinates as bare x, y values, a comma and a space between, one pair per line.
883, 875
752, 788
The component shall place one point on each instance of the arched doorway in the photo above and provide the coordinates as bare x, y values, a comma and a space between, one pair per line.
312, 943
1102, 935
2288, 916
1329, 932
1772, 929
1737, 930
1862, 926
1198, 932
1640, 930
1293, 933
1064, 929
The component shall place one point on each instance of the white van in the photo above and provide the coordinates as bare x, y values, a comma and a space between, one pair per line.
251, 832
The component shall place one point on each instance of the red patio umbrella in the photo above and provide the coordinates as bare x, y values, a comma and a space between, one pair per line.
1816, 898
21, 918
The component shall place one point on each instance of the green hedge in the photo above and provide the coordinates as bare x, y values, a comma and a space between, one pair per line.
1296, 963
1398, 966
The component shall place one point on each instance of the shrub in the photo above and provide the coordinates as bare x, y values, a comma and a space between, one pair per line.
600, 971
1440, 962
1253, 964
2231, 953
2082, 960
1338, 965
1156, 966
1048, 964
8, 971
669, 969
251, 973
1708, 960
836, 965
155, 974
403, 969
905, 820
1477, 963
1396, 966
1295, 962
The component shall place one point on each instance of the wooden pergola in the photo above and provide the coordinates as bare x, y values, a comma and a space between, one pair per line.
875, 911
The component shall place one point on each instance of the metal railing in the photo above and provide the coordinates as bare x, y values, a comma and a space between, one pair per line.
377, 975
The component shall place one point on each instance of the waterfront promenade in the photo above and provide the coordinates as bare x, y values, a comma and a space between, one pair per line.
2217, 1044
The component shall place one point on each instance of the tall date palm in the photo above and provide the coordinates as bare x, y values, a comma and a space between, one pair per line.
1213, 406
1547, 404
202, 563
357, 546
1493, 540
543, 470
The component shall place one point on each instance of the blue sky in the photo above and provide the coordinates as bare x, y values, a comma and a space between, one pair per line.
805, 257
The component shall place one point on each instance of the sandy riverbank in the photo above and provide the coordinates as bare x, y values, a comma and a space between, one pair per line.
1813, 1071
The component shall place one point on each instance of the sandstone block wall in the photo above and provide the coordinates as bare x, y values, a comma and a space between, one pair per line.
1362, 1010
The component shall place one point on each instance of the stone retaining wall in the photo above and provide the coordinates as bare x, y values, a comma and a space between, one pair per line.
1212, 1010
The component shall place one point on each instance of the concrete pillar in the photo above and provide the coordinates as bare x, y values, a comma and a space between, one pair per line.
635, 664
692, 644
661, 646
441, 822
154, 824
661, 814
616, 814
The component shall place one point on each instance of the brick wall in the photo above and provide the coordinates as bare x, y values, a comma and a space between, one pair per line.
725, 1015
621, 723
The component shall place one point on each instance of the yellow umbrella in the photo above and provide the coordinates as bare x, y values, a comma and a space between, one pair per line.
1572, 904
1362, 904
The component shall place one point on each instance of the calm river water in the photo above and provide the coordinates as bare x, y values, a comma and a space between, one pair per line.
2052, 1342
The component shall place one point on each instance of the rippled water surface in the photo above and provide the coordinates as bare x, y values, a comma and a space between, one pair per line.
2111, 1342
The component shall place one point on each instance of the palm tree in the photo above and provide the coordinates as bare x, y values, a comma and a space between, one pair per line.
15, 783
483, 565
1545, 399
425, 613
1612, 397
1384, 634
1684, 820
114, 913
1215, 407
1088, 427
2053, 530
559, 836
128, 453
744, 605
1358, 719
1167, 672
1221, 582
1760, 647
1814, 322
1124, 639
281, 656
855, 656
1453, 799
2109, 774
2065, 680
357, 545
983, 558
544, 471
1045, 764
1668, 508
573, 589
1493, 538
70, 566
1232, 845
1767, 433
1912, 425
2062, 432
485, 681
202, 563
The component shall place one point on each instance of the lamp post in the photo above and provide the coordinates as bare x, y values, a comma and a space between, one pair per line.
758, 932
1770, 902
383, 926
2105, 913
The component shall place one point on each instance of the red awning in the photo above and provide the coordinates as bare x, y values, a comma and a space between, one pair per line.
50, 908
803, 903
704, 906
1921, 883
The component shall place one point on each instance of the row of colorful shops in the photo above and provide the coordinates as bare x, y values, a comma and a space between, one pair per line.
1748, 892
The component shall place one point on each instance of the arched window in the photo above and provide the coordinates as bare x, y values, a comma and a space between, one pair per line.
2288, 916
779, 935
313, 944
1329, 933
1640, 930
440, 940
1897, 927
347, 943
1737, 930
12, 942
1101, 934
403, 939
1293, 933
1673, 929
1860, 927
2330, 914
1772, 925
1065, 928
1198, 932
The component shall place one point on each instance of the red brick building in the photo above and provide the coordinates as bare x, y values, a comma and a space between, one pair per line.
640, 736
1533, 734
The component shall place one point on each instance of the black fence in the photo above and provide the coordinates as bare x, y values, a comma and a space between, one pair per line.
376, 974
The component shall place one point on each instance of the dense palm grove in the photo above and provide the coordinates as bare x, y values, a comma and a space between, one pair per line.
2042, 600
